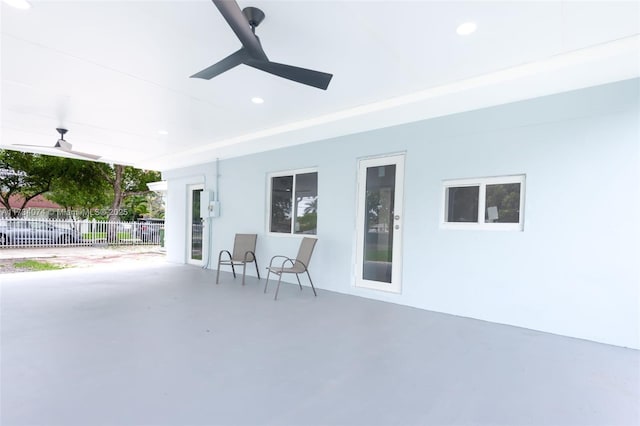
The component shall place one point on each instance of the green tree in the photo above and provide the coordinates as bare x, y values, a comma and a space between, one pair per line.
83, 189
28, 175
74, 184
135, 206
117, 192
127, 181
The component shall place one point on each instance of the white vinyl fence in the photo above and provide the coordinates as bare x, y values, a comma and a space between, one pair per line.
54, 232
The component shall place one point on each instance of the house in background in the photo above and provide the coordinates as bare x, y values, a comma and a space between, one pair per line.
36, 208
491, 175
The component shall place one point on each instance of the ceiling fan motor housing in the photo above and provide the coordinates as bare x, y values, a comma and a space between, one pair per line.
253, 15
63, 145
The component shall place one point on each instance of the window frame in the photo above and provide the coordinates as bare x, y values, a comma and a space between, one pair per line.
482, 199
293, 173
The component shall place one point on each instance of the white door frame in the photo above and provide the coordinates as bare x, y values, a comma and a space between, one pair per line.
396, 272
190, 260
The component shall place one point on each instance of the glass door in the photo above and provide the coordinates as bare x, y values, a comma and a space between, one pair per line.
195, 226
379, 224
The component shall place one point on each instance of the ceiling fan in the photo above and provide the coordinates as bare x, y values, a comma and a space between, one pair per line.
65, 146
244, 23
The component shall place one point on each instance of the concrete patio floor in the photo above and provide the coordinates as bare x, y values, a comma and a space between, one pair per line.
161, 344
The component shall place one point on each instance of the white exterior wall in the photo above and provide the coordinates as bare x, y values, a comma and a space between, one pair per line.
176, 211
572, 271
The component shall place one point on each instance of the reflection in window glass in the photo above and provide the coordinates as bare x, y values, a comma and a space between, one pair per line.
490, 203
293, 203
306, 200
281, 194
378, 243
462, 204
196, 225
503, 203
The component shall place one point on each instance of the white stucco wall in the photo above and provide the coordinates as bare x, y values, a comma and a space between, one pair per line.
573, 271
176, 212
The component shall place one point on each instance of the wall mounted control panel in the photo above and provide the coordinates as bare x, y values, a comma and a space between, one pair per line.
209, 206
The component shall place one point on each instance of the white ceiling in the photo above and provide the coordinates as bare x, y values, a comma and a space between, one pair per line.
116, 72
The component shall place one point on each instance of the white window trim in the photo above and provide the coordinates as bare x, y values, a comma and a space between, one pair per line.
482, 183
293, 172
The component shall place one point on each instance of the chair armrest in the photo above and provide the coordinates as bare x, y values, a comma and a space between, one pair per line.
220, 254
275, 257
251, 253
293, 263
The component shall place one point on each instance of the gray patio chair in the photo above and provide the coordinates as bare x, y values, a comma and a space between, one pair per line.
244, 251
293, 266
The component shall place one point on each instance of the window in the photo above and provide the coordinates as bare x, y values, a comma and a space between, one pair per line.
484, 203
293, 202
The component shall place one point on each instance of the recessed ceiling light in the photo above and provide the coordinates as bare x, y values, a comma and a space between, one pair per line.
163, 132
18, 4
257, 100
466, 28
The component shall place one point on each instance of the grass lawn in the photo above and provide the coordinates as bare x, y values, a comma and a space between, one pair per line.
378, 255
103, 235
36, 265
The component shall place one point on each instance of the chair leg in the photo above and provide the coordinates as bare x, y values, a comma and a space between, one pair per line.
256, 262
312, 287
299, 283
278, 287
244, 271
218, 274
267, 283
233, 269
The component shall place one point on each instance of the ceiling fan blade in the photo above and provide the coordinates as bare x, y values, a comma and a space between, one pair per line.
59, 148
65, 146
62, 145
301, 75
226, 64
34, 146
80, 154
238, 22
